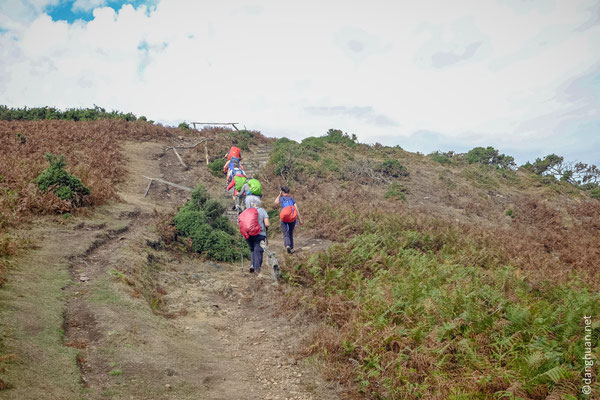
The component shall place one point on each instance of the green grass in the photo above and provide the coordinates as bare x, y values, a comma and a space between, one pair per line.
31, 307
419, 318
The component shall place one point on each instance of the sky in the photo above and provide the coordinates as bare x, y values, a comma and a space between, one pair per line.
520, 75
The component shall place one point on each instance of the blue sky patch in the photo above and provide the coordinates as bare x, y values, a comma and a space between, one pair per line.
64, 11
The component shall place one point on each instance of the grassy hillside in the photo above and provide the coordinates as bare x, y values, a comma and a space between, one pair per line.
451, 275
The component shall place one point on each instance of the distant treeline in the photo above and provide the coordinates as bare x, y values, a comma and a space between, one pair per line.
72, 114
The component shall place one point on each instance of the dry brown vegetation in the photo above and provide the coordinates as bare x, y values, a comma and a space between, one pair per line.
92, 153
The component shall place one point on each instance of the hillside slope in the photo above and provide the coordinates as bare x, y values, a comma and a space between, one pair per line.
414, 278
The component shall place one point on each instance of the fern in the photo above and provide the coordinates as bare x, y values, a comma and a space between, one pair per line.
555, 375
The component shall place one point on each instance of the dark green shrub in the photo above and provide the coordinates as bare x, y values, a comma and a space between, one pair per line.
199, 197
201, 219
222, 223
336, 136
51, 113
184, 126
213, 209
392, 168
220, 246
315, 144
216, 167
59, 181
188, 221
595, 193
490, 156
200, 237
442, 158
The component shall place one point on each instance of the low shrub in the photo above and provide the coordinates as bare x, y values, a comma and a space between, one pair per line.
397, 191
216, 167
64, 185
392, 168
490, 156
201, 219
442, 158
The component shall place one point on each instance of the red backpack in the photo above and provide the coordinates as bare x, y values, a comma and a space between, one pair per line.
248, 221
288, 210
234, 152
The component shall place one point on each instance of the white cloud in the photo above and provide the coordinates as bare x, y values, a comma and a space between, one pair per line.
87, 5
485, 74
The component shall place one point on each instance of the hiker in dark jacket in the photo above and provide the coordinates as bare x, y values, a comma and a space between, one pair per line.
289, 215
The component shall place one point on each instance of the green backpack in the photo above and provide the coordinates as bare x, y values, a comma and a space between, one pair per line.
255, 187
239, 182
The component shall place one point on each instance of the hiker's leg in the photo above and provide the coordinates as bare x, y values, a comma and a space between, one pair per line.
285, 228
250, 242
291, 226
258, 252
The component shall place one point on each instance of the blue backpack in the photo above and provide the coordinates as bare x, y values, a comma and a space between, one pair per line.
234, 163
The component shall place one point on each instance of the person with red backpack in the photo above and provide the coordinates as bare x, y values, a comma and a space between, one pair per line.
253, 223
289, 215
234, 158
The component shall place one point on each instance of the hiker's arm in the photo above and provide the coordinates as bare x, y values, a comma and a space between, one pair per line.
243, 190
267, 223
231, 184
276, 201
298, 216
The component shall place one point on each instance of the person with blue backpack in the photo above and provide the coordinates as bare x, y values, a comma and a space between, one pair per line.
289, 216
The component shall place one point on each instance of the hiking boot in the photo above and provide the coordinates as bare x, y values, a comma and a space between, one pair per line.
251, 270
289, 249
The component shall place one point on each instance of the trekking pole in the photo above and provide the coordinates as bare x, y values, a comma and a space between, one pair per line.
242, 253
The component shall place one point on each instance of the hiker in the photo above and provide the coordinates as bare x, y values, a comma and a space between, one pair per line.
289, 215
252, 190
253, 223
234, 158
236, 183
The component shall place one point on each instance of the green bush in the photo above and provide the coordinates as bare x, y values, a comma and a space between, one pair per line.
395, 190
201, 219
442, 158
59, 181
216, 167
184, 126
595, 193
392, 168
73, 114
490, 156
336, 136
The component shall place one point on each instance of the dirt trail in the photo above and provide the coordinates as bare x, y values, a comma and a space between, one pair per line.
144, 324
